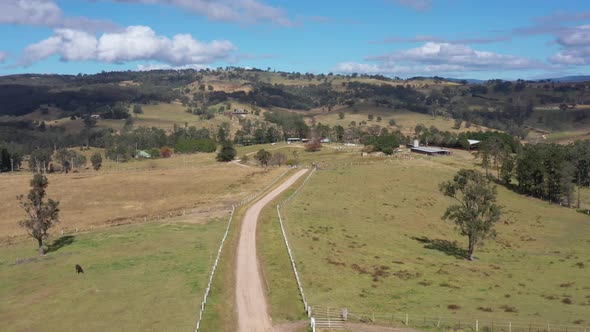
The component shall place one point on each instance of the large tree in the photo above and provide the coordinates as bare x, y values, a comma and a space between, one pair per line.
263, 157
475, 212
41, 214
227, 152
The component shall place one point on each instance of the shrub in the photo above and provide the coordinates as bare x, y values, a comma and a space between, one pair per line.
165, 152
313, 146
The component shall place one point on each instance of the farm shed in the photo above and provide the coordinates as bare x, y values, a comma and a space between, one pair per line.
431, 151
473, 144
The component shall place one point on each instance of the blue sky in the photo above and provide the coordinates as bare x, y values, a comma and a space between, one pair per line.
451, 38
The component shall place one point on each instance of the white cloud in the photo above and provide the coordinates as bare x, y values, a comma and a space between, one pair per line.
576, 46
163, 66
46, 13
436, 58
133, 44
242, 11
3, 56
432, 53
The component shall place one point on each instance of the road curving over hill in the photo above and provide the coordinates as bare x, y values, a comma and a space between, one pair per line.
250, 300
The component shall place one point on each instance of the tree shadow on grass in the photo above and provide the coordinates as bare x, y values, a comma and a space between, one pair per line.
60, 243
448, 247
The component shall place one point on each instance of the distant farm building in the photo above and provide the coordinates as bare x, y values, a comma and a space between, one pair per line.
240, 111
430, 151
325, 140
473, 144
142, 155
95, 116
293, 140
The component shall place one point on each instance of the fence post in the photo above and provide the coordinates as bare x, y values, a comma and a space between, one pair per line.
407, 319
509, 326
476, 325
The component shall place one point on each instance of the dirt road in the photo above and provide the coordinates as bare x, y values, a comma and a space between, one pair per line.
250, 301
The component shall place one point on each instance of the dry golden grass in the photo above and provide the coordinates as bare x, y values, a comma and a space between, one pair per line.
406, 121
93, 199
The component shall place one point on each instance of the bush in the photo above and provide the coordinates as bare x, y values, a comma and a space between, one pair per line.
165, 152
154, 153
388, 151
244, 159
96, 160
313, 146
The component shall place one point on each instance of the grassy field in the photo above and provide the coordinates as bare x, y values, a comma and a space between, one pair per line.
406, 121
162, 115
370, 238
92, 199
137, 278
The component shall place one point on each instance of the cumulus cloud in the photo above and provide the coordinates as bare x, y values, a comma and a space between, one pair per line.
242, 11
46, 13
133, 44
432, 53
436, 39
434, 58
3, 56
164, 66
575, 44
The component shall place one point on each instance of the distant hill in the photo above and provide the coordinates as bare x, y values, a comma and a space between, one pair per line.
469, 80
572, 79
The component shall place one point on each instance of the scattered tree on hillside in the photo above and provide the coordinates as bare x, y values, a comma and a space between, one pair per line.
137, 109
313, 145
89, 121
279, 159
227, 152
340, 115
41, 214
96, 160
391, 122
476, 211
263, 157
5, 161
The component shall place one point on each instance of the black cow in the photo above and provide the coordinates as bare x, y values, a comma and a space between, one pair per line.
79, 269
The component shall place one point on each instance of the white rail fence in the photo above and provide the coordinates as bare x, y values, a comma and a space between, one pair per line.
229, 222
293, 265
408, 320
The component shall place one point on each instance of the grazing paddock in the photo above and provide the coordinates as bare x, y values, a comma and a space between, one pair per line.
136, 278
406, 121
96, 199
371, 238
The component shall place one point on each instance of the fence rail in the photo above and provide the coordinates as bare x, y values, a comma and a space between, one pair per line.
293, 265
408, 320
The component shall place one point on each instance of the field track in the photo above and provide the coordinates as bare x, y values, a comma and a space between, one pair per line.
250, 300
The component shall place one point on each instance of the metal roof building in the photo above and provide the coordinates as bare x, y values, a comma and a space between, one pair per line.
430, 151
